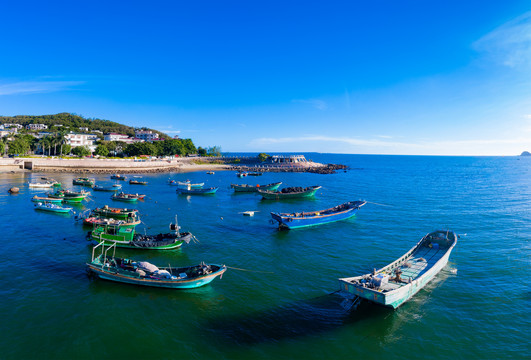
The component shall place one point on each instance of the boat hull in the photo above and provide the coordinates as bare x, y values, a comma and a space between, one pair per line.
300, 220
209, 191
254, 189
103, 273
395, 298
270, 195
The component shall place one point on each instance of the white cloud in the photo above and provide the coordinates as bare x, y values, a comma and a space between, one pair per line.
509, 44
35, 87
315, 103
315, 138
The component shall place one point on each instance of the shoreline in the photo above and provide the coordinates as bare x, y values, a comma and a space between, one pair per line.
130, 166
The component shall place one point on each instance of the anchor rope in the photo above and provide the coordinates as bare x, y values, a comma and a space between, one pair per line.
263, 272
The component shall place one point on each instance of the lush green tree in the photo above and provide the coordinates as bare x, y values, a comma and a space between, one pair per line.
81, 151
263, 157
102, 150
140, 148
19, 146
201, 151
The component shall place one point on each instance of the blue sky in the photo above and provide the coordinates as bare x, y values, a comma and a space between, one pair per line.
363, 77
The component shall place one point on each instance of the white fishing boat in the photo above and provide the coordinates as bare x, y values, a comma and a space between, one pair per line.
39, 185
397, 282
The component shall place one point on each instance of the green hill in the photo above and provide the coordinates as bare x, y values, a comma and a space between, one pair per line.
73, 122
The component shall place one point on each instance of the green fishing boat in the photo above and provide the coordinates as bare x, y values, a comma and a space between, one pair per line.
84, 181
290, 193
43, 199
115, 213
127, 238
68, 196
255, 188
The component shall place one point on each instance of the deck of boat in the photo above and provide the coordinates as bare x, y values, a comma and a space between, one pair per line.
422, 260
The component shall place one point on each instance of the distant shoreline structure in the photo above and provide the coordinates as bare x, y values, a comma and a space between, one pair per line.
293, 163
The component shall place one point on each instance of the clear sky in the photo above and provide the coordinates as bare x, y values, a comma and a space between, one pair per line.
364, 77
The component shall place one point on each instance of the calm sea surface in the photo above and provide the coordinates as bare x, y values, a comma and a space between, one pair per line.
477, 307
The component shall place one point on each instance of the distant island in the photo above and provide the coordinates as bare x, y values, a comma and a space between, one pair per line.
525, 153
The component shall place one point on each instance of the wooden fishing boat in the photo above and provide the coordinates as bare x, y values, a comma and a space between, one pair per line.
210, 172
137, 182
115, 213
43, 199
112, 188
394, 284
289, 193
83, 181
254, 174
127, 238
118, 177
311, 218
98, 220
70, 196
125, 197
241, 174
38, 185
201, 191
254, 188
143, 273
52, 208
186, 183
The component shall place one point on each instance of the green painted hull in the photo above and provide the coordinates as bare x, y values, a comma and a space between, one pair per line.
270, 195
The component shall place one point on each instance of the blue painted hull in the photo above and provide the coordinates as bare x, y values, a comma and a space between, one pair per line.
304, 219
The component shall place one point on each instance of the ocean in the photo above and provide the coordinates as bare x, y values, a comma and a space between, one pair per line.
279, 304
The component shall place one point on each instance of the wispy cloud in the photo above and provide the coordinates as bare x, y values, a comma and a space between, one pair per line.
315, 103
35, 87
509, 44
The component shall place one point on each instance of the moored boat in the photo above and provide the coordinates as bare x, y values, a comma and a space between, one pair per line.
112, 188
38, 185
115, 213
98, 220
127, 238
83, 181
144, 273
394, 284
52, 208
289, 193
186, 183
137, 182
254, 188
311, 218
118, 177
43, 199
200, 191
125, 197
70, 196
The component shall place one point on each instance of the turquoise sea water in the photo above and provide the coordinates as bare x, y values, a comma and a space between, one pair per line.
477, 307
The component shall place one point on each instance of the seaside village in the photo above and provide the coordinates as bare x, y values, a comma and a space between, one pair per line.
84, 137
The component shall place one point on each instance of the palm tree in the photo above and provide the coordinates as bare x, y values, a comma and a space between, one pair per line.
62, 139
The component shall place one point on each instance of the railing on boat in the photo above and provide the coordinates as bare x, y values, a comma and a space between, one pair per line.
104, 252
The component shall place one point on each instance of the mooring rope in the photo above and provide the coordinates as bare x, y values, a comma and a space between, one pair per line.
369, 202
263, 272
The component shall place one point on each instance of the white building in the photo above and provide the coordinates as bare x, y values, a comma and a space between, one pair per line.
75, 140
18, 126
83, 129
120, 137
36, 127
146, 135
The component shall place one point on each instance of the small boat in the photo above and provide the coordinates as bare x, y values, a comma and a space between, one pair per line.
241, 174
289, 193
38, 185
115, 213
118, 177
137, 182
97, 220
146, 274
112, 188
127, 238
43, 199
210, 172
252, 189
394, 284
83, 181
254, 174
201, 191
310, 218
52, 208
186, 183
70, 196
124, 197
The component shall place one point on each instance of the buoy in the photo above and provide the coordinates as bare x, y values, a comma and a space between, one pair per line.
14, 190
